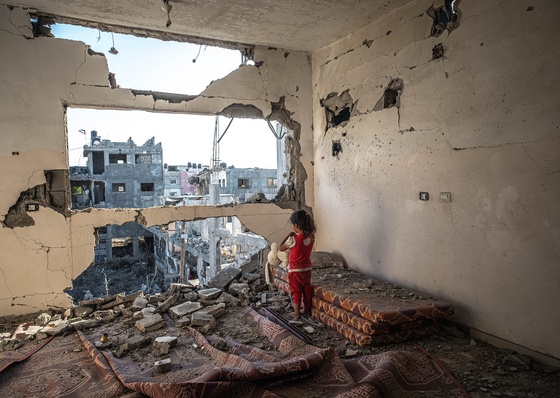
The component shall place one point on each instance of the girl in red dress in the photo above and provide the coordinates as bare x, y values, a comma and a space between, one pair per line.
300, 242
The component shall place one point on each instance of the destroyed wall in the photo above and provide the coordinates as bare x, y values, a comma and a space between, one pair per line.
472, 112
42, 251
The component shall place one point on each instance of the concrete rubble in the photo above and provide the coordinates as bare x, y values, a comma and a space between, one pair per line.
147, 318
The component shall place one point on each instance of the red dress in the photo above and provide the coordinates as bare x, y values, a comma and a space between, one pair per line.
299, 274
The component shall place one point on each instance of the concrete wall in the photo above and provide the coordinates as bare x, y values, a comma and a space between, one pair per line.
481, 123
39, 259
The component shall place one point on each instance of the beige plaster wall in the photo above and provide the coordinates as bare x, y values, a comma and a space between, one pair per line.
38, 77
481, 123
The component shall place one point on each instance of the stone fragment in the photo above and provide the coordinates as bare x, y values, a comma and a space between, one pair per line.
191, 296
139, 303
216, 310
85, 324
168, 303
148, 311
44, 318
56, 327
228, 299
184, 321
309, 329
210, 294
202, 319
26, 331
225, 277
150, 323
82, 312
163, 365
239, 289
263, 297
180, 288
164, 343
185, 308
10, 344
137, 341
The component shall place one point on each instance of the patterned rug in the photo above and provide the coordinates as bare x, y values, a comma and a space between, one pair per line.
72, 366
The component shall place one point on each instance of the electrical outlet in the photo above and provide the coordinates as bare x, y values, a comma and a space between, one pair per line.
424, 196
445, 197
31, 207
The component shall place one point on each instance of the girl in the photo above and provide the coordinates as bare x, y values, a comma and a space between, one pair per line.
300, 241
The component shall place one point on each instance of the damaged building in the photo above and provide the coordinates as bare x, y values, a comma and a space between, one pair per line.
424, 139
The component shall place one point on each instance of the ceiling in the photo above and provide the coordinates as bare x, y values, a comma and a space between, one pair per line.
289, 24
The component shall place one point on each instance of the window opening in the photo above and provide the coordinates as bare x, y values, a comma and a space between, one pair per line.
111, 155
119, 187
117, 158
147, 187
243, 183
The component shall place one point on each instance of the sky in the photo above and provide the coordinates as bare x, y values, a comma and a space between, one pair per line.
149, 64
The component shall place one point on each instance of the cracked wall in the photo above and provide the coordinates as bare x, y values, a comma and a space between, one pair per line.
478, 118
41, 75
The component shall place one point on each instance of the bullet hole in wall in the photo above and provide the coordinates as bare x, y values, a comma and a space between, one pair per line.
437, 51
445, 17
391, 96
336, 148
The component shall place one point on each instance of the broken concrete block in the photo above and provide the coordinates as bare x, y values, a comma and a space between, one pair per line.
56, 327
228, 299
239, 289
104, 314
210, 294
225, 277
171, 300
139, 303
26, 331
44, 318
123, 298
180, 288
185, 308
148, 311
10, 344
216, 310
150, 323
184, 321
85, 324
163, 365
164, 343
192, 296
203, 319
137, 341
82, 312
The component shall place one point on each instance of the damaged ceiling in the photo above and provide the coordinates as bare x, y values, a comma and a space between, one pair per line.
256, 22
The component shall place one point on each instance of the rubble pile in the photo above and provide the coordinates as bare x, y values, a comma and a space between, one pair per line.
129, 322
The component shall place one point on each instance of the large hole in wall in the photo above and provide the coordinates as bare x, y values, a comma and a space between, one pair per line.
445, 17
338, 108
151, 64
141, 159
131, 258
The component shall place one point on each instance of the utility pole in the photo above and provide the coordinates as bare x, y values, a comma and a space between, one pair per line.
214, 196
183, 242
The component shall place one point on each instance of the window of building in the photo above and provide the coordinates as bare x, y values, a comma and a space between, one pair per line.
147, 186
119, 187
243, 183
117, 158
271, 182
143, 158
223, 183
98, 160
173, 182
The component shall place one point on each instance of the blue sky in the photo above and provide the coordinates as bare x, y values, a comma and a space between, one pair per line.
150, 64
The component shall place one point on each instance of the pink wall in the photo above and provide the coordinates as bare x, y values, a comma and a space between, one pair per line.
186, 188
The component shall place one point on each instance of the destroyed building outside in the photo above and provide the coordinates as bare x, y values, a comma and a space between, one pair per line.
423, 138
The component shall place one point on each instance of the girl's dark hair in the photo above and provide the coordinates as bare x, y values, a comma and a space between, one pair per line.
303, 221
